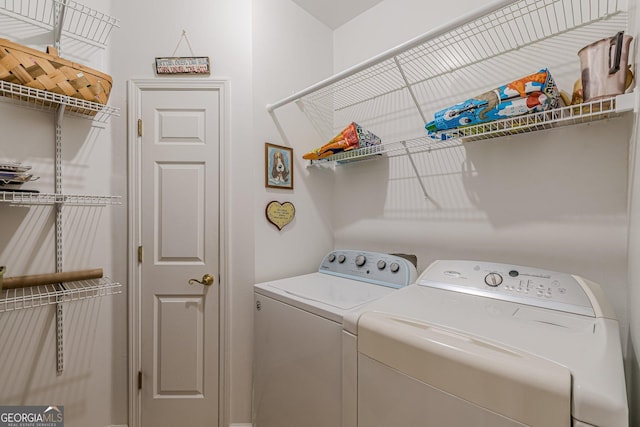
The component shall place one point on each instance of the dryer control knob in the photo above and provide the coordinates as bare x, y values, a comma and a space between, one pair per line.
381, 264
341, 258
493, 279
394, 267
331, 257
360, 260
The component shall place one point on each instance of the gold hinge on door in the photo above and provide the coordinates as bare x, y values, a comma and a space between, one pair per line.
140, 253
139, 127
139, 380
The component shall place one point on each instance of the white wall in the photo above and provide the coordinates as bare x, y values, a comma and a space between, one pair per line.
633, 300
390, 23
291, 50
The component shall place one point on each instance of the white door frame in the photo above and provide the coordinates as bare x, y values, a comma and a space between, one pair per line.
135, 88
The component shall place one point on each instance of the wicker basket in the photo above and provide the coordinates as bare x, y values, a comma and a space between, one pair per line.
47, 71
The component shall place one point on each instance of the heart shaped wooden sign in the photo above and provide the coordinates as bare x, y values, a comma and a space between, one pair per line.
280, 214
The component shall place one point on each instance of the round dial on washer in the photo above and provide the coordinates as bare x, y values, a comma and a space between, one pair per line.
493, 279
381, 264
341, 258
394, 267
360, 260
331, 257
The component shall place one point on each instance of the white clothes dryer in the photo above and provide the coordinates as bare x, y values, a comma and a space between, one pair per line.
487, 344
298, 355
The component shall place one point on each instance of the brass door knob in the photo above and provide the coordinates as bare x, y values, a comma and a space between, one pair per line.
207, 280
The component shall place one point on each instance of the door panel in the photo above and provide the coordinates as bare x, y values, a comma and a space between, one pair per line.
181, 223
180, 346
183, 126
179, 227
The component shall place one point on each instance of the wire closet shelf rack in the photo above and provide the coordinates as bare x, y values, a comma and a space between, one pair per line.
64, 18
78, 21
395, 93
28, 198
36, 296
43, 100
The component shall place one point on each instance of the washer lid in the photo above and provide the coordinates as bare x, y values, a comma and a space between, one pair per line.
340, 293
326, 295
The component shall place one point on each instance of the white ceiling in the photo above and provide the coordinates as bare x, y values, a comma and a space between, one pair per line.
334, 13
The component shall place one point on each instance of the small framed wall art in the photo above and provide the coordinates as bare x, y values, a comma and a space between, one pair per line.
280, 214
183, 65
278, 165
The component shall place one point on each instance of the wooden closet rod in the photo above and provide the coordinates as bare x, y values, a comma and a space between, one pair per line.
50, 278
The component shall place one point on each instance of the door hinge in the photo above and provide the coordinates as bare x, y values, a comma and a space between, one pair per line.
140, 254
139, 127
139, 380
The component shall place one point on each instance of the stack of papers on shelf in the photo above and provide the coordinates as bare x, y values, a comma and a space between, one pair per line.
14, 174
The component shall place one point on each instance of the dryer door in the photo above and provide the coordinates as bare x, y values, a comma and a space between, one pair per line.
413, 373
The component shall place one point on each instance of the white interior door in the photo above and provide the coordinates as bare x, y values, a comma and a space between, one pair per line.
179, 232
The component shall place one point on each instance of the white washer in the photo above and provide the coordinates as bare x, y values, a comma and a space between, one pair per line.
298, 335
487, 344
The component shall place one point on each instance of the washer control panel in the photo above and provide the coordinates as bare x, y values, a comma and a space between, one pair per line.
373, 267
525, 285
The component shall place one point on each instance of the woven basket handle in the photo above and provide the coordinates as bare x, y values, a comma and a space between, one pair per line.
52, 51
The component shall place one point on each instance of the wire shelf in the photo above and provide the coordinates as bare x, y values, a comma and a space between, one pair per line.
600, 109
508, 29
80, 22
396, 93
28, 198
574, 114
36, 296
43, 100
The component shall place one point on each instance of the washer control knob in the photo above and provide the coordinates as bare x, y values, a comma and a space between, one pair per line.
394, 267
381, 264
341, 258
331, 257
360, 260
493, 279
